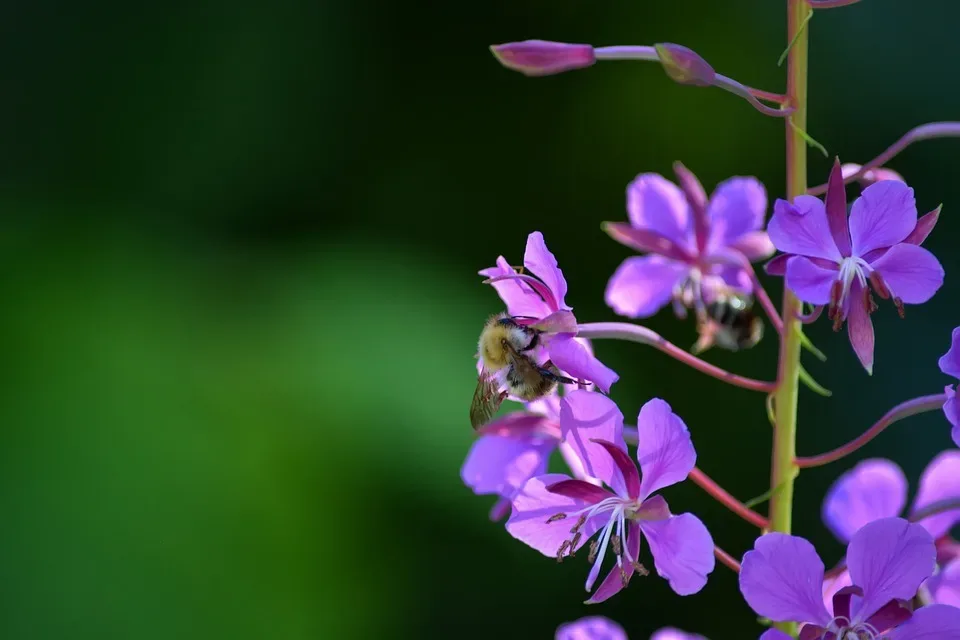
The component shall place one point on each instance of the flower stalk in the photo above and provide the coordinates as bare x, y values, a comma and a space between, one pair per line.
726, 559
903, 410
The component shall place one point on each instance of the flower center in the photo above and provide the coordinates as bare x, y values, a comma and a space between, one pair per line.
846, 629
854, 268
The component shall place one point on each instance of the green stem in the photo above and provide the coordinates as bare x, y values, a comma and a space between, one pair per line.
785, 432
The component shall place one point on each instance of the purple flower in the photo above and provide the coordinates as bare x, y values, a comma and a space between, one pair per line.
877, 489
591, 628
548, 505
872, 175
950, 365
538, 299
833, 260
693, 245
888, 559
543, 57
516, 447
669, 633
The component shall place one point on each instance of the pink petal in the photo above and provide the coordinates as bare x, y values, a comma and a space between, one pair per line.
933, 622
778, 266
655, 203
754, 245
646, 241
539, 261
682, 551
665, 451
579, 490
924, 226
831, 586
835, 201
543, 57
737, 207
940, 481
669, 633
586, 416
591, 628
533, 506
500, 510
502, 465
883, 215
889, 559
775, 634
802, 228
577, 361
642, 285
860, 328
912, 273
944, 587
950, 361
613, 583
519, 298
809, 281
781, 579
872, 490
890, 615
627, 484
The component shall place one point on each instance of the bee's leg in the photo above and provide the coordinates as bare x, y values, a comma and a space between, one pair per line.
550, 371
534, 342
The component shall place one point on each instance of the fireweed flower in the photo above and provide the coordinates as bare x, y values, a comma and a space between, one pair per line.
557, 515
591, 628
876, 489
516, 447
950, 365
888, 559
690, 241
538, 300
832, 260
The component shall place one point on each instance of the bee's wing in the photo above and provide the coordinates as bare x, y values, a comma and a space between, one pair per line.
486, 400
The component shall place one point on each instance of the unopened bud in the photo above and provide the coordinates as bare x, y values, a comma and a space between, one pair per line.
542, 57
870, 176
684, 65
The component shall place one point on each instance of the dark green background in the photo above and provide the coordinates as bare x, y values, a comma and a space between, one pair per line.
239, 247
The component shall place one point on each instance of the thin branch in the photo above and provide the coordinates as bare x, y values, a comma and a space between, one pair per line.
726, 559
637, 333
830, 4
935, 508
719, 494
903, 410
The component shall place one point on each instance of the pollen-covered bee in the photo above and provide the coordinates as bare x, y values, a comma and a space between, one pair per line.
728, 322
504, 346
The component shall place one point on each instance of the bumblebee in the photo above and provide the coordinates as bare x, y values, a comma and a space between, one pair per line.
728, 322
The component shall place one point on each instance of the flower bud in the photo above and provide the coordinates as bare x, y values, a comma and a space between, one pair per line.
542, 57
684, 65
871, 175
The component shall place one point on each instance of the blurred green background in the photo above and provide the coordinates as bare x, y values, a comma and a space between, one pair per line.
239, 247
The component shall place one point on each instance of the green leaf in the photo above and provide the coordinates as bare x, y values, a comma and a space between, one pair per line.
812, 384
806, 136
807, 344
771, 411
803, 25
763, 497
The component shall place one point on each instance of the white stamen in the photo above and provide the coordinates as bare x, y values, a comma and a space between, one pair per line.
608, 530
852, 268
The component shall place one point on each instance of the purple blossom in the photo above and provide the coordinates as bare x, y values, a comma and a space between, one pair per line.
888, 560
693, 244
950, 365
547, 506
830, 259
538, 299
669, 633
543, 57
877, 489
591, 628
871, 176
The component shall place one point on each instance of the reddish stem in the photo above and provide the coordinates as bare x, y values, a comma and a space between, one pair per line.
719, 494
726, 559
637, 333
830, 4
903, 410
761, 294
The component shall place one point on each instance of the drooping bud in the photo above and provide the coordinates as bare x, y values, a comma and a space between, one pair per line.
684, 65
542, 57
870, 176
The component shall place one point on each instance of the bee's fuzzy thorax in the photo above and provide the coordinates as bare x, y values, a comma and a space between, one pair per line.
491, 349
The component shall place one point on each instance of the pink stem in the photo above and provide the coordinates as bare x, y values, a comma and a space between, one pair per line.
637, 333
761, 294
927, 131
719, 494
903, 410
726, 558
935, 508
808, 318
769, 96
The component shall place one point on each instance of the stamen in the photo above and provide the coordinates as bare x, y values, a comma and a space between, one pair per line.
868, 302
573, 544
879, 285
617, 549
640, 569
624, 578
580, 521
592, 556
563, 547
900, 311
556, 517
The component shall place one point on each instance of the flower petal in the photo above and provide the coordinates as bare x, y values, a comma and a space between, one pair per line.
591, 628
586, 416
940, 481
912, 273
502, 465
519, 298
669, 633
802, 228
890, 615
925, 225
872, 490
883, 215
655, 203
810, 281
629, 478
950, 361
682, 551
951, 409
889, 559
533, 506
579, 490
754, 245
933, 622
573, 358
944, 587
646, 241
774, 634
642, 285
737, 207
778, 266
835, 201
860, 328
664, 450
831, 586
613, 583
539, 261
781, 578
